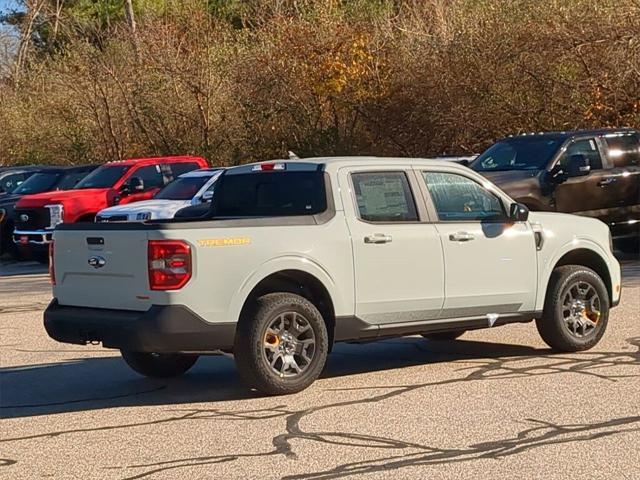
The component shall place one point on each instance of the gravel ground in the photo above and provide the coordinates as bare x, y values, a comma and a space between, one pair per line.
495, 404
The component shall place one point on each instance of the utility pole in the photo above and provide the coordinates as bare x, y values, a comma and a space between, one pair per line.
131, 20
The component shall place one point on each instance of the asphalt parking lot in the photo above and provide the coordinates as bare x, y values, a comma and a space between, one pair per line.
495, 404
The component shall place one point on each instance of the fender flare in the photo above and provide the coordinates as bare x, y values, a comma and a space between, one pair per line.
278, 264
576, 244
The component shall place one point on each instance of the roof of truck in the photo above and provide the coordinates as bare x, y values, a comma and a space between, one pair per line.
171, 158
337, 162
561, 135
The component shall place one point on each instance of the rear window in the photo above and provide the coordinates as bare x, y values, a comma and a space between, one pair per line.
271, 194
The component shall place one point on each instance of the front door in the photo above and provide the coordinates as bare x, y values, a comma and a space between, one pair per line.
490, 263
398, 264
592, 194
152, 181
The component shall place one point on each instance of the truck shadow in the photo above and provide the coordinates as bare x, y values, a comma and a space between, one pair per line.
83, 384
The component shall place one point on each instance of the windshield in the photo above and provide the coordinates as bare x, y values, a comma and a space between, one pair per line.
517, 154
37, 183
270, 194
103, 177
184, 188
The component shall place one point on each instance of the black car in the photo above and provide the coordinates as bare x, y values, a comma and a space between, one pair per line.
40, 179
12, 177
595, 173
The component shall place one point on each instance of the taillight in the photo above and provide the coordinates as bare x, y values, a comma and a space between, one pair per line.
268, 167
52, 270
169, 264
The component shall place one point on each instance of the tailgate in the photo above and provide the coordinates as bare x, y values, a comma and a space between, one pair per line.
102, 269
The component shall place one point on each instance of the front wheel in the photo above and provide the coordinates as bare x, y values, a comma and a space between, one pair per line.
281, 344
576, 309
159, 365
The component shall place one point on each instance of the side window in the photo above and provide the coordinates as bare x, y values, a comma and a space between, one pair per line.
624, 150
384, 197
178, 169
11, 182
586, 147
458, 198
70, 180
150, 175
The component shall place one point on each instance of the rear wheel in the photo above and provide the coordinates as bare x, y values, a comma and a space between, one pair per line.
443, 336
281, 345
576, 309
159, 365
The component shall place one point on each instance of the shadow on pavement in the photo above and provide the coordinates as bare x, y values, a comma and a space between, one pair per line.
97, 383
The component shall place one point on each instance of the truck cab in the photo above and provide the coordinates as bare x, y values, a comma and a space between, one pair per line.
594, 173
191, 188
42, 179
119, 182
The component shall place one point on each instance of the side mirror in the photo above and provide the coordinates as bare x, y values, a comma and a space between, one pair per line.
136, 185
518, 212
578, 165
207, 196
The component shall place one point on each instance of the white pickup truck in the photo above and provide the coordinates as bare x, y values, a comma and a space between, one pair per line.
297, 255
189, 189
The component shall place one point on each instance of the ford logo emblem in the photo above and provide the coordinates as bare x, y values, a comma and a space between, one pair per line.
24, 217
97, 262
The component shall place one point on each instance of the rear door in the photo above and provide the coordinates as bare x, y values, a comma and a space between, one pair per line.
623, 152
399, 275
490, 263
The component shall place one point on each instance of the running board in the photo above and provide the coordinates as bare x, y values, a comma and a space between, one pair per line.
352, 328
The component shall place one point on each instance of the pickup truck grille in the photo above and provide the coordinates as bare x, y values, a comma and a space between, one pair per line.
32, 218
112, 218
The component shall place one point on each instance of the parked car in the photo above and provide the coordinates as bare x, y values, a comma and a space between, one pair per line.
595, 173
192, 188
41, 179
12, 177
461, 159
120, 182
297, 255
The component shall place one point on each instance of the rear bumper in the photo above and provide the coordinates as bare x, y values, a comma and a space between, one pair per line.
161, 329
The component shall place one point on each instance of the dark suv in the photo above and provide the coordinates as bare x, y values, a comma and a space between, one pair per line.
40, 179
595, 173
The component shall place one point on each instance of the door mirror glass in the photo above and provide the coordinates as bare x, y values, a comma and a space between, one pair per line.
578, 165
136, 185
207, 196
518, 212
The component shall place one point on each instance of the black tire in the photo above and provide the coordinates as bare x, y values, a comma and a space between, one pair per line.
159, 365
443, 336
552, 325
41, 257
252, 337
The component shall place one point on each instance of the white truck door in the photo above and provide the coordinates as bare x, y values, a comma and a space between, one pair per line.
491, 263
398, 262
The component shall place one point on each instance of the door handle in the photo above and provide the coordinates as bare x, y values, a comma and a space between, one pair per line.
378, 238
461, 237
607, 181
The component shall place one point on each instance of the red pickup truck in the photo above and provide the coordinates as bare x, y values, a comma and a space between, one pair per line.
113, 183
